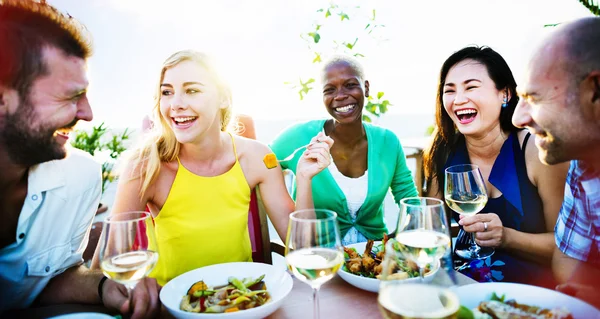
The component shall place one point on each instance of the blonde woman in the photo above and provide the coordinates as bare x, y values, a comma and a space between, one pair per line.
196, 178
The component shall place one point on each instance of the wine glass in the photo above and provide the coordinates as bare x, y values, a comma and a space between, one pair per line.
313, 250
466, 194
126, 252
423, 237
404, 298
422, 234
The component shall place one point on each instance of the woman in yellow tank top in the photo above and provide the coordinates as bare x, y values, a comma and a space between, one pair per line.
196, 178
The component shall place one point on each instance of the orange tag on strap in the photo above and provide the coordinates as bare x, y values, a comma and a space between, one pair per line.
270, 160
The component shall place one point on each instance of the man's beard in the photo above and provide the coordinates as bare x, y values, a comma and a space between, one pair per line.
28, 145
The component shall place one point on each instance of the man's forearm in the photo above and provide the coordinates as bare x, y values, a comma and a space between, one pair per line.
567, 269
75, 285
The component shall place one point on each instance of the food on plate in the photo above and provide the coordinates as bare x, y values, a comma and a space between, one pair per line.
369, 263
235, 296
498, 308
270, 160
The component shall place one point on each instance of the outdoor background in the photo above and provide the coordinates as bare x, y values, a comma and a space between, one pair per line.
259, 47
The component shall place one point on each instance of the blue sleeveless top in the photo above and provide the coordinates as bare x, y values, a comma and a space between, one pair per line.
519, 207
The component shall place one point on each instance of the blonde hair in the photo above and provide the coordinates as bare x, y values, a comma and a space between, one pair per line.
161, 144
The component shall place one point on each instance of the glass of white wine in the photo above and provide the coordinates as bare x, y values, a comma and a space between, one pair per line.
466, 194
313, 250
422, 237
126, 252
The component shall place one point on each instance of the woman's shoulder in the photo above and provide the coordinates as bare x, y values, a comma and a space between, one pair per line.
246, 146
535, 167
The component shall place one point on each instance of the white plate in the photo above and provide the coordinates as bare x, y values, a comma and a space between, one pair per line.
471, 295
84, 315
372, 284
279, 284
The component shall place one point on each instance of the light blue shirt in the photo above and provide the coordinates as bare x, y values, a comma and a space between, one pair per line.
53, 228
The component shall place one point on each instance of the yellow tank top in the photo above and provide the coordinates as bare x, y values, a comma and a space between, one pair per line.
204, 221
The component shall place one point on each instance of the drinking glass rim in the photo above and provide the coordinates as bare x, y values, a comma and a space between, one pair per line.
437, 200
313, 220
473, 166
144, 216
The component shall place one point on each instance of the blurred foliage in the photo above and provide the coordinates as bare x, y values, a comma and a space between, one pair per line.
317, 43
95, 141
593, 6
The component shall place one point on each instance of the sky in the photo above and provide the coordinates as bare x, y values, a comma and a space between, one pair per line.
258, 47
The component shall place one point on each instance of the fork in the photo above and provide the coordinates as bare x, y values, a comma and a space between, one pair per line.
289, 157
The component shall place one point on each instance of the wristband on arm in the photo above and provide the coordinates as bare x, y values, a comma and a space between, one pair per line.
100, 285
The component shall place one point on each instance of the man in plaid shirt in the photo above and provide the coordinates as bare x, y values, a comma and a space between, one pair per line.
560, 104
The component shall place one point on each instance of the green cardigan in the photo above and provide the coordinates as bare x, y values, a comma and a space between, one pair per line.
387, 169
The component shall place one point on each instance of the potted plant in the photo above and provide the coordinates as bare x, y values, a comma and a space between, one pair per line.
97, 142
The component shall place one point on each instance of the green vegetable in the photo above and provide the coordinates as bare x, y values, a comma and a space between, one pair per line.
237, 284
496, 298
465, 313
203, 293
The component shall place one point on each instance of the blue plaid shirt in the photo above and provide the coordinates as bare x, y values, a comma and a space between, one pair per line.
577, 231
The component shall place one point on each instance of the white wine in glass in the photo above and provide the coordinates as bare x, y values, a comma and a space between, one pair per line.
126, 255
313, 249
466, 194
399, 299
422, 233
425, 301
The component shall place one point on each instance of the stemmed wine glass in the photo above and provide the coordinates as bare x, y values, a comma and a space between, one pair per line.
126, 252
422, 237
466, 194
313, 250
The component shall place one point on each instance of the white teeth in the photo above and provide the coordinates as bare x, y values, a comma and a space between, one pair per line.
183, 119
63, 131
346, 108
468, 111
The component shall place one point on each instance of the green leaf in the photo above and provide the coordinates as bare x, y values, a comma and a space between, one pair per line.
318, 27
328, 13
373, 17
379, 95
321, 10
343, 16
359, 54
316, 37
317, 58
495, 297
349, 46
368, 25
366, 118
465, 313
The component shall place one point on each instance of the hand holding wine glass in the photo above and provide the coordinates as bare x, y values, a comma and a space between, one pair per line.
126, 252
466, 194
313, 248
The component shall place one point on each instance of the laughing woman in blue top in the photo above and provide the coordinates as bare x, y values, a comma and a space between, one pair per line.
368, 160
475, 102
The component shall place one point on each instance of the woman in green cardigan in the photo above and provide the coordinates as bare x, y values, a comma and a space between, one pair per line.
367, 160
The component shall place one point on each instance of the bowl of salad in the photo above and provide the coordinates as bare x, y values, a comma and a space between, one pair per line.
362, 266
232, 290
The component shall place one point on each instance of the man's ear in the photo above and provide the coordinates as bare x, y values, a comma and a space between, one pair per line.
589, 95
9, 100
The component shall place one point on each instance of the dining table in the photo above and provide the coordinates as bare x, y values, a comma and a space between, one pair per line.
337, 299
